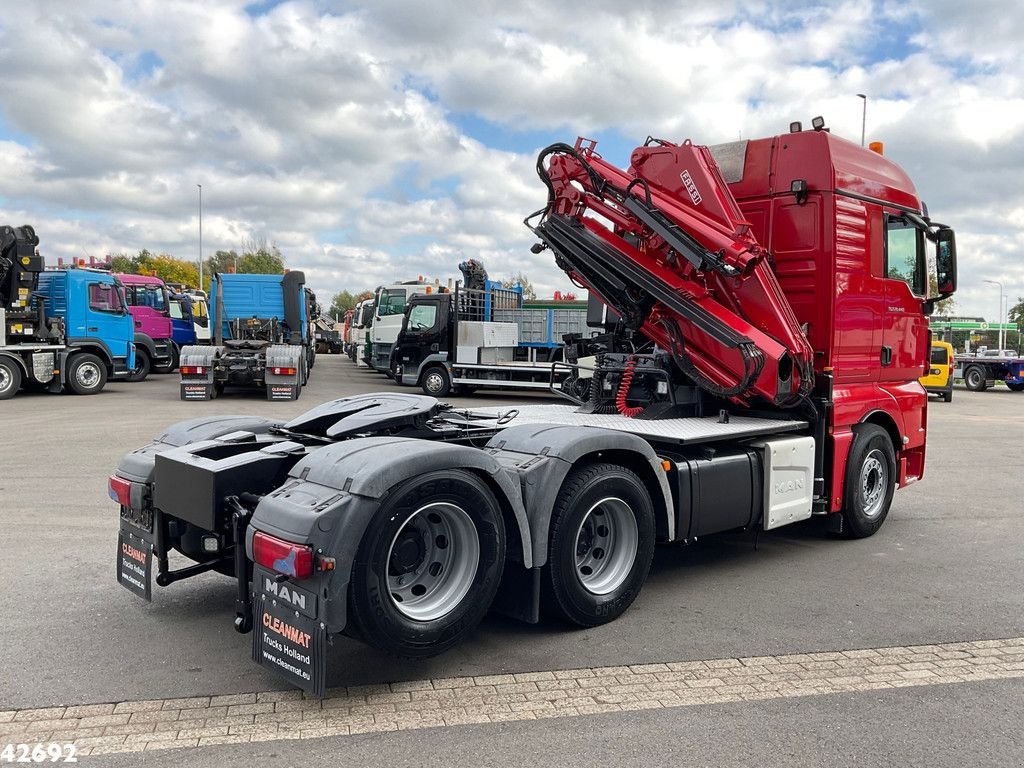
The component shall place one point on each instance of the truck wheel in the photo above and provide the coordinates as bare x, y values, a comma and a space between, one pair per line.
1015, 387
86, 374
870, 481
429, 564
10, 379
601, 546
142, 366
974, 379
436, 382
169, 366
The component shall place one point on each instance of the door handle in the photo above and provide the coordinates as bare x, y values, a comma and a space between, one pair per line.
886, 355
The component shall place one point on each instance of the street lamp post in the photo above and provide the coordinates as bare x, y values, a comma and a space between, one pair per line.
863, 116
999, 314
200, 236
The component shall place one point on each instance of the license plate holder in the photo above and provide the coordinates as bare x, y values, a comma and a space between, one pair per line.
135, 564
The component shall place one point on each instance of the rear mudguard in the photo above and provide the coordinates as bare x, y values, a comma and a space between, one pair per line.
333, 493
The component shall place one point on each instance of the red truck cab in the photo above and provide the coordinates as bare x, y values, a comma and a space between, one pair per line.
849, 242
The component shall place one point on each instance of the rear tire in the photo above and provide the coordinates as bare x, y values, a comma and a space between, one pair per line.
601, 544
10, 378
429, 564
87, 374
974, 379
870, 481
948, 395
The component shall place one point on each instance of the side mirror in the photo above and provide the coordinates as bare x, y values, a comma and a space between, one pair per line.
945, 261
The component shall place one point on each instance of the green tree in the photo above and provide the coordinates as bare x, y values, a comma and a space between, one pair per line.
518, 278
1016, 314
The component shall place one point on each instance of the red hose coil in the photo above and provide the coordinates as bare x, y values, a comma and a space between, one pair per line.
620, 395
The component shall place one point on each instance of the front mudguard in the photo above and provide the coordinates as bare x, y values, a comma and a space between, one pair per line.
333, 494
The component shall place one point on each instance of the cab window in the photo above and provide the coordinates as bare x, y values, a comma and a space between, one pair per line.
940, 356
176, 312
904, 254
103, 297
422, 317
391, 303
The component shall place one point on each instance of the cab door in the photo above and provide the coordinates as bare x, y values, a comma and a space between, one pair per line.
904, 351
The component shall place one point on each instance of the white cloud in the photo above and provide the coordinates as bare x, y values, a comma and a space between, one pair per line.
334, 130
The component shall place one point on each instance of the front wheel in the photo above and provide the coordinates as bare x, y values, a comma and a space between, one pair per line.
870, 481
169, 366
142, 366
429, 564
436, 382
86, 374
601, 545
974, 379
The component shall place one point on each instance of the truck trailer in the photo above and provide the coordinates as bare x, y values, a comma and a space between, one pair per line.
66, 328
980, 371
262, 338
772, 298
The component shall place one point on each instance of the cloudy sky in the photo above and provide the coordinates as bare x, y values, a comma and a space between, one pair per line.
392, 138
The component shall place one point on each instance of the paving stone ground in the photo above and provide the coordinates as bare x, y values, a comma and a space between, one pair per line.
132, 726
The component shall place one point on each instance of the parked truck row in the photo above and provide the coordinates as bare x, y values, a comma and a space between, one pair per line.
759, 365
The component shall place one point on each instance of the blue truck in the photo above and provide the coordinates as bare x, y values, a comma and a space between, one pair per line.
261, 338
62, 329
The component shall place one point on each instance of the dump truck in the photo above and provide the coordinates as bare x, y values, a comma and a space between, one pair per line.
771, 298
262, 338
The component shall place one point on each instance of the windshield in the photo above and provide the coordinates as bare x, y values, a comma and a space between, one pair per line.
152, 296
392, 302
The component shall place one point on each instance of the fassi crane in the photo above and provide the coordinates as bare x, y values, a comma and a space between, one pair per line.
667, 247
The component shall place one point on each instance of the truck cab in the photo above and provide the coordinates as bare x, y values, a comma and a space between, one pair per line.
96, 321
149, 303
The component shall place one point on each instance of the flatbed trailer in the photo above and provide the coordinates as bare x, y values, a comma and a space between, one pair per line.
979, 372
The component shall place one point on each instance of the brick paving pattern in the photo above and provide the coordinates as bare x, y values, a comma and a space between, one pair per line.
131, 726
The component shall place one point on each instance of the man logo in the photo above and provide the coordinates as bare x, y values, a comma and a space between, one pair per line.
281, 592
788, 486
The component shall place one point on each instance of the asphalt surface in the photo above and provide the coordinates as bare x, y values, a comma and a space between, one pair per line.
937, 727
945, 567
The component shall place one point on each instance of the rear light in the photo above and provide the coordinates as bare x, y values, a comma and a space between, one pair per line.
120, 490
192, 370
293, 560
283, 371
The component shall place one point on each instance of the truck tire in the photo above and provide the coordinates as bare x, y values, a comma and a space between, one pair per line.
870, 481
601, 545
10, 378
436, 382
142, 366
429, 564
974, 379
1015, 387
172, 364
87, 374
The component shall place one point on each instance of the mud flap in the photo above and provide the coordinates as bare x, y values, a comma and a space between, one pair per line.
135, 564
285, 365
288, 642
197, 386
